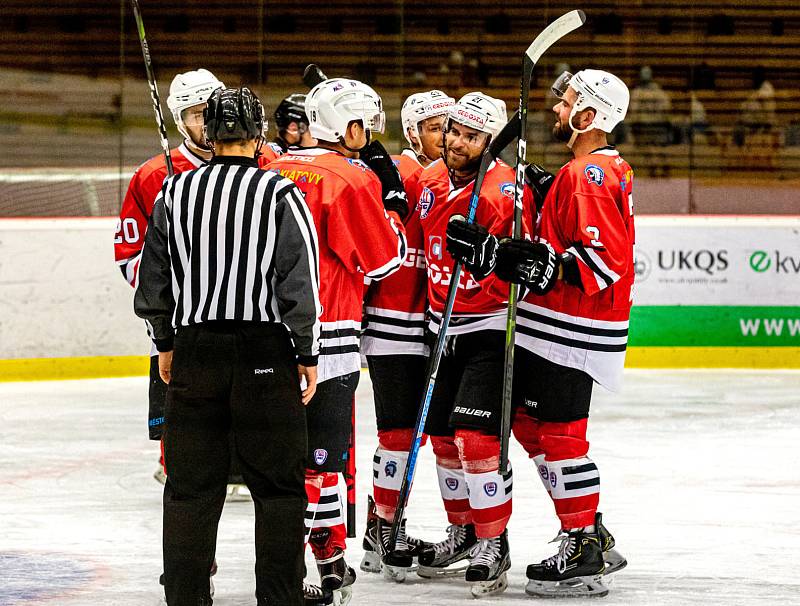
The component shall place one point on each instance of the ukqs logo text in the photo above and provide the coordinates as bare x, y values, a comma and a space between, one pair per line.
707, 261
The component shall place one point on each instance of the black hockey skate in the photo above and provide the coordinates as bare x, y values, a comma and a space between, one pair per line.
613, 559
575, 571
438, 559
314, 595
377, 558
489, 561
336, 576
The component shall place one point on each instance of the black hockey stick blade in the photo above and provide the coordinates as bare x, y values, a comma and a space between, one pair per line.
313, 75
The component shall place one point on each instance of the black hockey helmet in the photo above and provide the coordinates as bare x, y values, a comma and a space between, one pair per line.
291, 109
234, 114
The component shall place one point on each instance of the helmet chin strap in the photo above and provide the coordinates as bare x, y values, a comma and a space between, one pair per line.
576, 131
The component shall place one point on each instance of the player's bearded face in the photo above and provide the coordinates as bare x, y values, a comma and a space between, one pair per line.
430, 137
463, 147
562, 130
193, 121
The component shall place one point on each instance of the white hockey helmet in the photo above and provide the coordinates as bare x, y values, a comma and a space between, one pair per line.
189, 89
421, 106
481, 112
333, 104
603, 92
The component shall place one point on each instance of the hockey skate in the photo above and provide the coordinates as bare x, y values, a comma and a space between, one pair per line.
489, 561
438, 559
613, 559
397, 560
335, 575
211, 574
314, 595
575, 571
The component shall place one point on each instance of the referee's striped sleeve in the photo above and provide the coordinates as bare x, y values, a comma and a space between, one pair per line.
297, 271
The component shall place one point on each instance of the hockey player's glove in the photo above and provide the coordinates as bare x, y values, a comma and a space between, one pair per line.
377, 158
472, 245
533, 264
539, 180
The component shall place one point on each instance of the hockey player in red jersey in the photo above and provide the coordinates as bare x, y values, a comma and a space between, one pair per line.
464, 414
291, 123
572, 326
187, 99
394, 343
360, 233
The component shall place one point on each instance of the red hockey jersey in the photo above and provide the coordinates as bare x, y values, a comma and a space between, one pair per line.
357, 238
478, 305
394, 308
589, 213
138, 206
269, 151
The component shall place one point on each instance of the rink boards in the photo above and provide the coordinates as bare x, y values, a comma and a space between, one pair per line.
710, 292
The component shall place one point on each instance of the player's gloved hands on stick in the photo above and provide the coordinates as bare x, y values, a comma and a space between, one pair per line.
377, 158
472, 245
534, 264
539, 180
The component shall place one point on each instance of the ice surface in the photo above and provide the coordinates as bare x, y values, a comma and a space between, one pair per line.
700, 472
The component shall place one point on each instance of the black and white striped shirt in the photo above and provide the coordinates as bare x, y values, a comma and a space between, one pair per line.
230, 241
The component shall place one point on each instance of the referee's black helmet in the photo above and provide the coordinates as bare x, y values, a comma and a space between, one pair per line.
234, 114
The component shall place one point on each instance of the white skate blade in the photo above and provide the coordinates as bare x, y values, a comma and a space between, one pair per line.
394, 573
341, 597
371, 562
578, 587
482, 589
427, 572
614, 561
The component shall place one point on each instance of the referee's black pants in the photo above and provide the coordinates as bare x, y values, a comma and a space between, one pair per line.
239, 379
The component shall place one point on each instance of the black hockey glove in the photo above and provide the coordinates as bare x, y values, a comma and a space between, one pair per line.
377, 158
539, 180
534, 264
472, 245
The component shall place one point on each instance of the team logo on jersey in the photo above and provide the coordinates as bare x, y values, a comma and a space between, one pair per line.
543, 472
358, 164
320, 456
425, 204
553, 479
594, 174
507, 189
490, 488
390, 469
451, 483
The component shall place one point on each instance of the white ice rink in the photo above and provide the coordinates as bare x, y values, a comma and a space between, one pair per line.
700, 486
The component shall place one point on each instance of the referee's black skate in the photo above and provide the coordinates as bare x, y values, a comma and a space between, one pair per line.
575, 571
211, 574
336, 576
438, 559
613, 559
314, 595
489, 562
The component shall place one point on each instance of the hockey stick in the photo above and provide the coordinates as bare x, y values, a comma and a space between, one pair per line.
313, 75
151, 80
549, 36
497, 145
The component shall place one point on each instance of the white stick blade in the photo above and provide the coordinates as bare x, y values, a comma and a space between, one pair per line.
559, 28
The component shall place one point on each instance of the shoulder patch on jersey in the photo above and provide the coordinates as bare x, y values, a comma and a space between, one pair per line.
594, 174
426, 200
358, 164
507, 189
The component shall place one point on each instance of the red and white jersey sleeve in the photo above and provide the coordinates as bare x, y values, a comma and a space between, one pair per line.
269, 151
356, 238
588, 213
137, 206
394, 308
478, 305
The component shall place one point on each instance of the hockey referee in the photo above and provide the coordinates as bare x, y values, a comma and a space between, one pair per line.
230, 262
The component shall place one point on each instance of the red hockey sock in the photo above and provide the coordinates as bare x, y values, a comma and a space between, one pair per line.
452, 484
389, 467
328, 531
